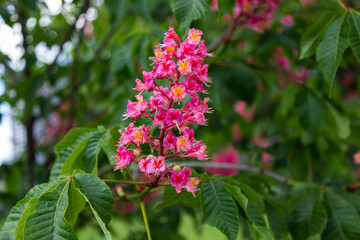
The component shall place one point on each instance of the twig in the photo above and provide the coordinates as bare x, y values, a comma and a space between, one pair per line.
343, 5
69, 32
352, 187
133, 182
226, 37
243, 168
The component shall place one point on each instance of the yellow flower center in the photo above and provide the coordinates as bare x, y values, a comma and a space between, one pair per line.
139, 98
158, 53
193, 182
247, 6
194, 35
178, 91
137, 135
170, 49
183, 65
182, 142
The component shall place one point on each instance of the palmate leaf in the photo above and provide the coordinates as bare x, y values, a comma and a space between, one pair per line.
219, 209
92, 149
68, 150
308, 217
187, 11
48, 218
354, 33
332, 47
15, 220
343, 220
99, 197
311, 38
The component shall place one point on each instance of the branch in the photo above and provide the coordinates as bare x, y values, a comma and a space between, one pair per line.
352, 187
133, 182
243, 168
226, 37
69, 32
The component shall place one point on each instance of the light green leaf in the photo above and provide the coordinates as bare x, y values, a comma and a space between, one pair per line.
343, 220
311, 38
92, 149
68, 150
48, 218
342, 123
219, 209
308, 217
354, 33
188, 11
332, 47
109, 150
16, 214
99, 197
76, 204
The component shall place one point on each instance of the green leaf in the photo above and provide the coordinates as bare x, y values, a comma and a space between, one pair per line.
219, 209
332, 47
92, 149
226, 6
68, 150
238, 195
354, 33
171, 197
342, 123
343, 220
188, 11
311, 38
99, 197
16, 218
308, 217
48, 218
117, 9
76, 204
109, 150
254, 214
310, 110
122, 57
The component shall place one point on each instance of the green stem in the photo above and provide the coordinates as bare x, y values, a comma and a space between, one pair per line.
342, 5
142, 206
133, 182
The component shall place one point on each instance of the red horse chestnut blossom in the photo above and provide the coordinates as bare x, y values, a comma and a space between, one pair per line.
182, 65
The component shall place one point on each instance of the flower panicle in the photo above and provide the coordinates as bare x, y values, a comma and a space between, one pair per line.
173, 108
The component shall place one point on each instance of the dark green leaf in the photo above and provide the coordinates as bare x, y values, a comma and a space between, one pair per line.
68, 150
354, 33
310, 111
308, 217
171, 197
332, 47
187, 11
99, 197
219, 208
48, 218
311, 38
226, 6
92, 149
343, 220
13, 222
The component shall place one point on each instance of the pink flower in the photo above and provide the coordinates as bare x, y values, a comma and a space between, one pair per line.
260, 141
180, 178
158, 165
227, 155
178, 92
123, 158
194, 36
267, 159
357, 158
240, 108
287, 20
192, 185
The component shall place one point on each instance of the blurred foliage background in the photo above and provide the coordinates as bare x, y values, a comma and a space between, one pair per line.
79, 62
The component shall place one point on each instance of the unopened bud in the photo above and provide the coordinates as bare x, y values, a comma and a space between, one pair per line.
176, 168
137, 152
120, 191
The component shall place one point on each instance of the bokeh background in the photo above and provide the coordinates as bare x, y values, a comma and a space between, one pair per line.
73, 63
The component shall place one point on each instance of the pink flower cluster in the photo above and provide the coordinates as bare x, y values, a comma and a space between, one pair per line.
255, 14
227, 155
173, 109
